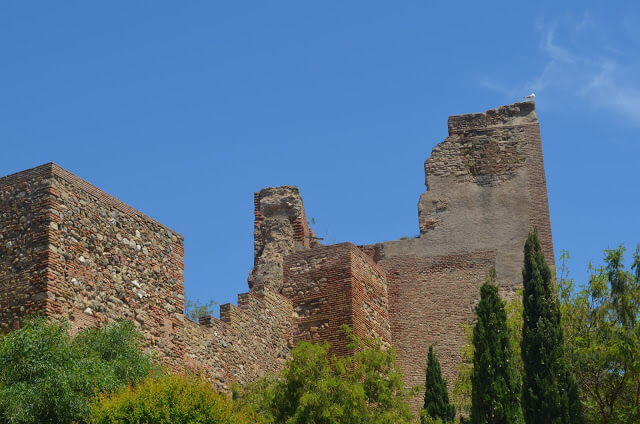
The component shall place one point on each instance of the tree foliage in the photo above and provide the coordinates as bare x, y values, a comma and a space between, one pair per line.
461, 395
495, 379
45, 377
168, 399
194, 308
364, 388
515, 309
436, 397
550, 393
602, 323
462, 388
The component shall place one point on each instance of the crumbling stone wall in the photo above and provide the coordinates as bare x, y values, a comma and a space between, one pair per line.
69, 250
485, 191
280, 228
247, 341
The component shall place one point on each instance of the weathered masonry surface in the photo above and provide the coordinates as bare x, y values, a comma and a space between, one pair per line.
69, 250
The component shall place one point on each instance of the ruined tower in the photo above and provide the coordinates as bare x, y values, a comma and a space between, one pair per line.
486, 189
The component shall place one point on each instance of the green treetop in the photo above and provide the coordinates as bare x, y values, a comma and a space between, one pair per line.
549, 392
495, 379
601, 324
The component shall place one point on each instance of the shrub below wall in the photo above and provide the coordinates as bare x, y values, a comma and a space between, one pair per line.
169, 399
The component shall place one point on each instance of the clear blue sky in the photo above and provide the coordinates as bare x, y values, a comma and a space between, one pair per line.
184, 109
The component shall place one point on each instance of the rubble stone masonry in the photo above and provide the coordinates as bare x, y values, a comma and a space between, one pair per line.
70, 251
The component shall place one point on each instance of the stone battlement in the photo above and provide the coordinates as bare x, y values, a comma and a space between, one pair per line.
70, 251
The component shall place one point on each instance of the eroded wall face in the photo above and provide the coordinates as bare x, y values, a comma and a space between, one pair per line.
24, 206
280, 228
486, 190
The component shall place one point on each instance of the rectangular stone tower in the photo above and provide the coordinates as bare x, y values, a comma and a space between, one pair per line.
70, 250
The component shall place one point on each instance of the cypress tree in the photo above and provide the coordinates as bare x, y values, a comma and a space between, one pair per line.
436, 398
549, 390
495, 381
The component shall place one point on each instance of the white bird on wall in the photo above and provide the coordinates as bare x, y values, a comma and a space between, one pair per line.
530, 96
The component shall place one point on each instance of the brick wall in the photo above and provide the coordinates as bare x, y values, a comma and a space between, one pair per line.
429, 301
370, 297
334, 285
318, 283
537, 187
24, 237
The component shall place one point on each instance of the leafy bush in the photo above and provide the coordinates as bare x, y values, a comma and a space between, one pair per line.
425, 418
168, 399
45, 377
365, 387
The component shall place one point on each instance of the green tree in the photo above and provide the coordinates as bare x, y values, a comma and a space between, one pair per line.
436, 398
45, 377
550, 394
168, 399
462, 387
364, 388
495, 380
602, 324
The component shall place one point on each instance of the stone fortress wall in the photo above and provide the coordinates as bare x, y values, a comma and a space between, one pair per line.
69, 250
